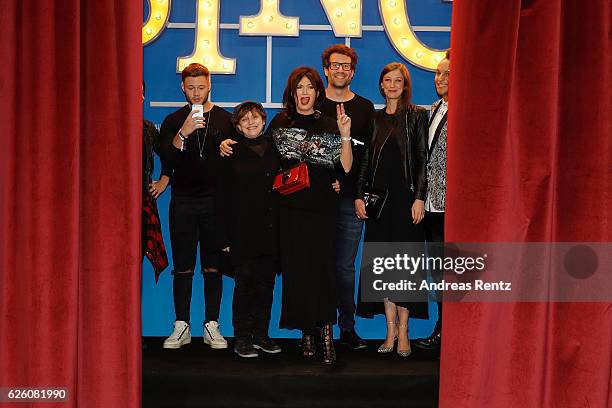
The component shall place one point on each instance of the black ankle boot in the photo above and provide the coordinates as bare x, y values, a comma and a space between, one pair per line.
308, 345
327, 344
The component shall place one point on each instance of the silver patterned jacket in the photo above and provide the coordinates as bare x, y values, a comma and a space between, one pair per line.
436, 164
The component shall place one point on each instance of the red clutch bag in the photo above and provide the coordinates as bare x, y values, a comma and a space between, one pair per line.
292, 180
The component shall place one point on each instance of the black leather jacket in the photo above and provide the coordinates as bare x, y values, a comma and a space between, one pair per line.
414, 149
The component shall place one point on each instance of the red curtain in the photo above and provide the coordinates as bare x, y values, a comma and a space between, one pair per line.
70, 186
529, 159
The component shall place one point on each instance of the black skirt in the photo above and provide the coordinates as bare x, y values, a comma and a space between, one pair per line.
395, 225
308, 254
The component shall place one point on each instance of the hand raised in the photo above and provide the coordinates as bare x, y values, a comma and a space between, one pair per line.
344, 121
191, 124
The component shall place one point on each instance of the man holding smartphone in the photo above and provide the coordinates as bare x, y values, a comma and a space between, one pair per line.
190, 144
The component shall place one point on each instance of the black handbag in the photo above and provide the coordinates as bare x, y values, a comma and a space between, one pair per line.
375, 199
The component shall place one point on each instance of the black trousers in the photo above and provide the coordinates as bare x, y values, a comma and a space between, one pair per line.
253, 293
434, 235
192, 222
434, 226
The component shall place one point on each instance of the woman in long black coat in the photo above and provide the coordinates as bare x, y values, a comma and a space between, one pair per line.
249, 216
307, 217
396, 162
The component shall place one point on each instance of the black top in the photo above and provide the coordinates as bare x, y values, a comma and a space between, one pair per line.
194, 176
250, 206
320, 196
408, 128
361, 111
151, 143
390, 173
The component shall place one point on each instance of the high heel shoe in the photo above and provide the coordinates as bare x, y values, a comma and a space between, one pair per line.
327, 344
308, 345
406, 352
382, 349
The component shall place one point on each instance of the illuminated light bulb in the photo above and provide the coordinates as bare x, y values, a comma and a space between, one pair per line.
161, 1
353, 26
158, 16
149, 31
398, 28
339, 13
352, 5
206, 50
269, 21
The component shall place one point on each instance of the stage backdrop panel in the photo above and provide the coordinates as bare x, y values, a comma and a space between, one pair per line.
430, 20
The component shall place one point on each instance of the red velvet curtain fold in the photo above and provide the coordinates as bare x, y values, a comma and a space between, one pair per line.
529, 159
70, 123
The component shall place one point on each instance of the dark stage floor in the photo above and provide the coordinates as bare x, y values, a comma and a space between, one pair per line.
196, 376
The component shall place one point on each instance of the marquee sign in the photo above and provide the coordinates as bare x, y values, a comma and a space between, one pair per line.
345, 17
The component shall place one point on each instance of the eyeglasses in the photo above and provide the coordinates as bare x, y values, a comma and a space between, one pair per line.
346, 66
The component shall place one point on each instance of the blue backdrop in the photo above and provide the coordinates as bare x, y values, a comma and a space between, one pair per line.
431, 22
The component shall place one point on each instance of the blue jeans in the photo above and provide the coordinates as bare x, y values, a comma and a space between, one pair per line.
349, 229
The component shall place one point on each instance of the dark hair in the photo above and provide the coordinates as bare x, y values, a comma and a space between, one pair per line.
406, 92
338, 49
245, 107
143, 87
292, 82
447, 56
194, 70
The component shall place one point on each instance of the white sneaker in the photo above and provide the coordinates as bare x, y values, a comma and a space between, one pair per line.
213, 337
179, 337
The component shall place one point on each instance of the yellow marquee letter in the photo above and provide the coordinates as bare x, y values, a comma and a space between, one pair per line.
206, 47
344, 16
159, 10
270, 21
399, 31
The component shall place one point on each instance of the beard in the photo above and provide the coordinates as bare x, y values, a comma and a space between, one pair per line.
190, 102
341, 83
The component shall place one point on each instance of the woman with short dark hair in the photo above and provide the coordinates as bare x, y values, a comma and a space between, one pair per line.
250, 220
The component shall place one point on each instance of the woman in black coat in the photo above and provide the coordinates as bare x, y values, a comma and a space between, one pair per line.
396, 162
250, 220
308, 216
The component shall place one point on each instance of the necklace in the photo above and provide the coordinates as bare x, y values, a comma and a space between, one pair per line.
201, 145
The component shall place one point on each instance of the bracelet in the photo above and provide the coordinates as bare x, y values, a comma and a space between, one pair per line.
346, 139
181, 136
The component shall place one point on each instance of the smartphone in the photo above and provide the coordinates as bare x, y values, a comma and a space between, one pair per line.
197, 111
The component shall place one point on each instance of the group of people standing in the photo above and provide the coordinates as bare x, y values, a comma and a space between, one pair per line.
223, 170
